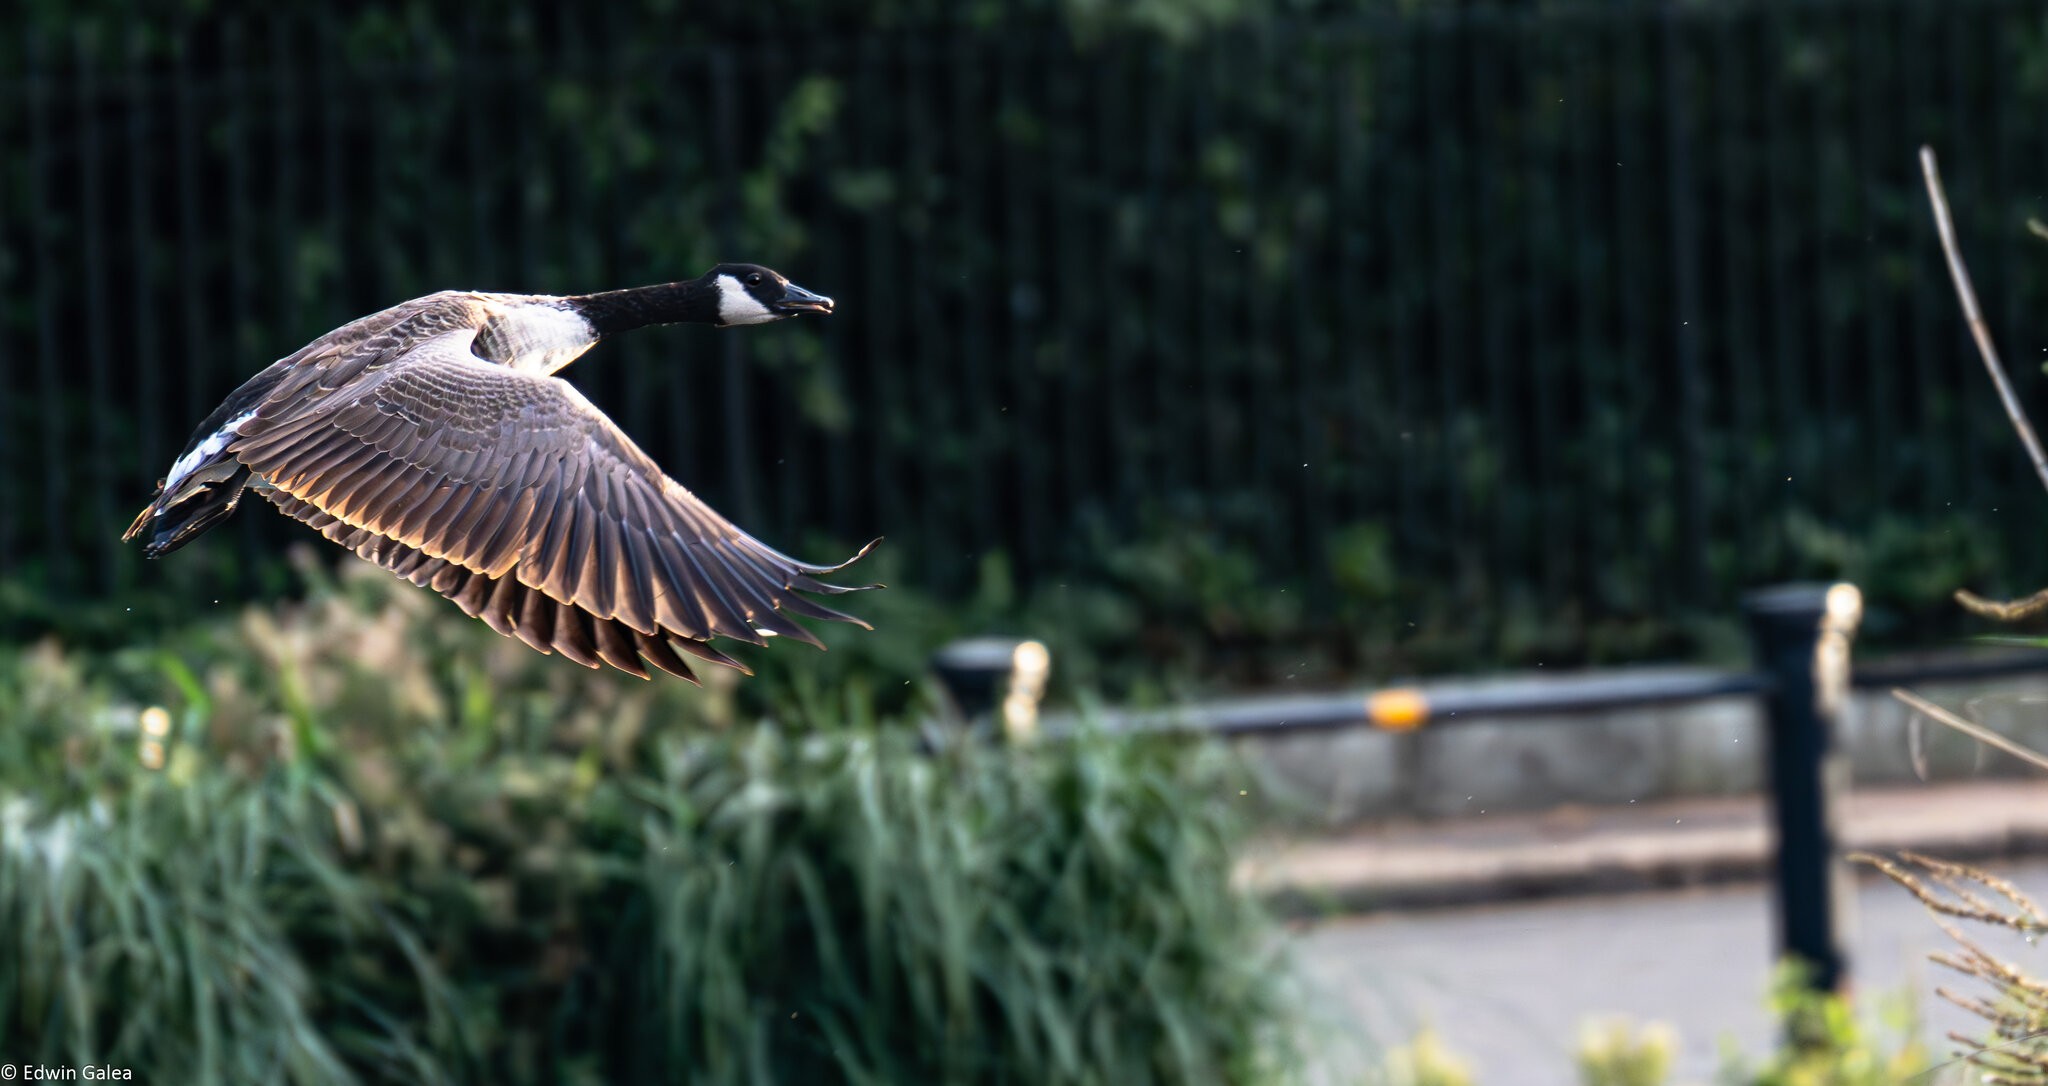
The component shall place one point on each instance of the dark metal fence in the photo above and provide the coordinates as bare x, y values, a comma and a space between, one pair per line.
1579, 317
1800, 637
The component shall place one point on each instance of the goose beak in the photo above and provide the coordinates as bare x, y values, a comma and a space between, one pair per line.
796, 299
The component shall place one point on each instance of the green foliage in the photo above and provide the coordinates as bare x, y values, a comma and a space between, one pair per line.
1615, 1053
380, 847
2011, 1046
1826, 1044
173, 927
1907, 567
1425, 1061
1152, 299
399, 24
1029, 917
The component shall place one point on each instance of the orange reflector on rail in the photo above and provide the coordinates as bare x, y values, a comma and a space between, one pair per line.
1397, 710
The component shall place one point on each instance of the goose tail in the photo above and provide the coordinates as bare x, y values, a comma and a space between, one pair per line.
179, 514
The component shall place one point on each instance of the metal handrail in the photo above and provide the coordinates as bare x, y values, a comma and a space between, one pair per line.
1800, 635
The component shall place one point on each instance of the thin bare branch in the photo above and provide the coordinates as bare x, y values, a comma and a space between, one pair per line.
1975, 731
1975, 315
2005, 610
2003, 887
1966, 906
2016, 1007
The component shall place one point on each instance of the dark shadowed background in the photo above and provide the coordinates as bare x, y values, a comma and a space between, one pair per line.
1330, 339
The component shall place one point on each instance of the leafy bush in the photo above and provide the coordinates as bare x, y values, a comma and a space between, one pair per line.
1615, 1053
2012, 1046
1425, 1061
382, 846
1827, 1044
1207, 344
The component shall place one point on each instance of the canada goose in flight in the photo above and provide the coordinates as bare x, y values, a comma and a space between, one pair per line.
433, 440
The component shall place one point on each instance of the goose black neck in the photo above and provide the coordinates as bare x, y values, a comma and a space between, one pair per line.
615, 311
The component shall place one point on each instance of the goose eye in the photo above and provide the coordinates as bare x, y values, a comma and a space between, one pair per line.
754, 280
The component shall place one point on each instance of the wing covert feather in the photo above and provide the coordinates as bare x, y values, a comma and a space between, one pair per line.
513, 495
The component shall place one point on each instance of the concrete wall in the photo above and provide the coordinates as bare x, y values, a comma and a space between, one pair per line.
1703, 748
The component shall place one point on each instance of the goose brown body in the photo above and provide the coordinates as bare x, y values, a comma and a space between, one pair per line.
433, 440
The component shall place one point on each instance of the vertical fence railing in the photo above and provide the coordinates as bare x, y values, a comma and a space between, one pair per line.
13, 359
51, 429
1579, 311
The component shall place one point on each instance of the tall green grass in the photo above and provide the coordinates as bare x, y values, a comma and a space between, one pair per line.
382, 848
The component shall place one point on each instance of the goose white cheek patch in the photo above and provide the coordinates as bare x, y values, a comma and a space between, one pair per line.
736, 306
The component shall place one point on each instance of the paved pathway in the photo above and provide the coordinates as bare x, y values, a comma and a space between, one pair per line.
1669, 844
1510, 985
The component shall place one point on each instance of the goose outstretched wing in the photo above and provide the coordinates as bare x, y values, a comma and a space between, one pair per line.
512, 494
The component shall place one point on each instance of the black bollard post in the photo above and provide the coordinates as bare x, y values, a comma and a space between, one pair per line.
974, 671
1802, 646
984, 674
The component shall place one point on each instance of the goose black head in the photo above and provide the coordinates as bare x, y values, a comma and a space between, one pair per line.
752, 294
